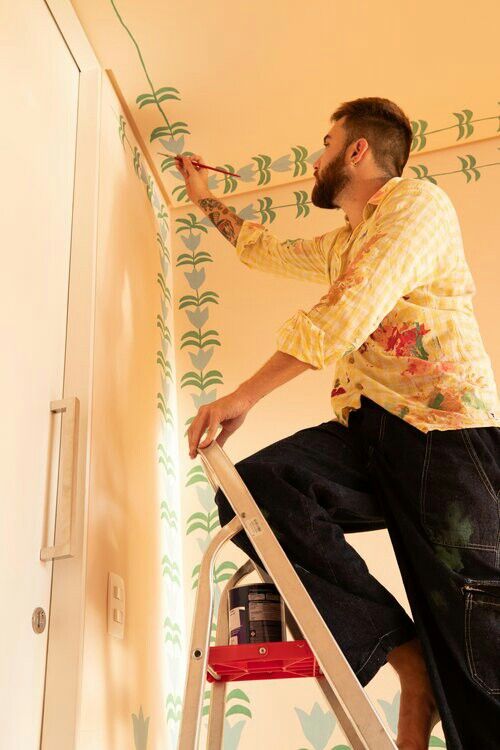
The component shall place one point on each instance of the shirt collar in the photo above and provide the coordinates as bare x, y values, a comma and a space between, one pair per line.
376, 198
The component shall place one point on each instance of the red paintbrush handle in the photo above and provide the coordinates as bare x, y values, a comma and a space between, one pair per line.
214, 169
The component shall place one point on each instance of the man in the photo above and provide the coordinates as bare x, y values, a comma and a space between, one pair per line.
414, 446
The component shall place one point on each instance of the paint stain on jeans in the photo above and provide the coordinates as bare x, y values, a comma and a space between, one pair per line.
449, 556
454, 528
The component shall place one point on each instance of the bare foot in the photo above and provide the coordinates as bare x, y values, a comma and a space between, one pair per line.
418, 713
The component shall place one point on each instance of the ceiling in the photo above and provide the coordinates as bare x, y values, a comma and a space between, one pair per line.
251, 85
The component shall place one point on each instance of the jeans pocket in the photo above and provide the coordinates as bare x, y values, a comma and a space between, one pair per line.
482, 633
459, 503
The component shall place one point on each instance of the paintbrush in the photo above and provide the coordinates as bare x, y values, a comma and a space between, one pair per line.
205, 166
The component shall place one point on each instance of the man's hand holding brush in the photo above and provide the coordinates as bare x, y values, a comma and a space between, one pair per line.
198, 164
194, 171
195, 177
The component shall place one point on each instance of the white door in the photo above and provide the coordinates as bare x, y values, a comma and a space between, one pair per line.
39, 100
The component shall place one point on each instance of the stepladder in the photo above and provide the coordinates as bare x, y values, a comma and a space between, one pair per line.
314, 652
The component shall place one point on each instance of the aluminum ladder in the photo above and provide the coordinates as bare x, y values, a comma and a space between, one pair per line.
355, 713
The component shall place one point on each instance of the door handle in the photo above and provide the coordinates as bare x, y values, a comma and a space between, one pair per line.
66, 485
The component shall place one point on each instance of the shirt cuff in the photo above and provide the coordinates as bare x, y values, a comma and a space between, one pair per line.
249, 234
299, 337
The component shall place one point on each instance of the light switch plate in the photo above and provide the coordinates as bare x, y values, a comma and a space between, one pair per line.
116, 605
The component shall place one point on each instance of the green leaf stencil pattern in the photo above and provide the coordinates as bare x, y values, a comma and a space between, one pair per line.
263, 165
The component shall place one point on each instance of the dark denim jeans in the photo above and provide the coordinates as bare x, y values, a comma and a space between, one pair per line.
437, 493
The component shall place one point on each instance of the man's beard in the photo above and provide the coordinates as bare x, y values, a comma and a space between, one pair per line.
330, 184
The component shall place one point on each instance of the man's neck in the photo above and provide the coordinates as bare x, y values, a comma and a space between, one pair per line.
357, 196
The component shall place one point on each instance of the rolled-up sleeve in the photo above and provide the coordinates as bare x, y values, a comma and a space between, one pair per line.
401, 252
309, 259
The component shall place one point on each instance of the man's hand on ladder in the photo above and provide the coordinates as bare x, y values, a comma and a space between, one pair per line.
228, 412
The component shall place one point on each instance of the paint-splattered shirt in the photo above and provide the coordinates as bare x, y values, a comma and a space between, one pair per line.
397, 320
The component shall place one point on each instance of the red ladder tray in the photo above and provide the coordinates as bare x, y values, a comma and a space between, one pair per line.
281, 659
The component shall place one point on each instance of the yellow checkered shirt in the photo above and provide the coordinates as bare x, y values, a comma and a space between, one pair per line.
397, 320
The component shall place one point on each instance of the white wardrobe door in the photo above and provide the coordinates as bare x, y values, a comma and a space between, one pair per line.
39, 100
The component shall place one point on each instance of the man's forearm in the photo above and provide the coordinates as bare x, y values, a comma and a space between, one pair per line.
276, 371
281, 367
226, 221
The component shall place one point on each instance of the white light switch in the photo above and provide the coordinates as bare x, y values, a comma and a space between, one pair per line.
116, 605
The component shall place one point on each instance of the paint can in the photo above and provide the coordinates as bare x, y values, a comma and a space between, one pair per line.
256, 614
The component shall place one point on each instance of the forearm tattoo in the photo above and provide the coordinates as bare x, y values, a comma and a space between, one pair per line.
226, 221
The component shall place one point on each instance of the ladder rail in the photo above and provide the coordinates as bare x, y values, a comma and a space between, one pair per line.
337, 707
194, 687
215, 732
356, 714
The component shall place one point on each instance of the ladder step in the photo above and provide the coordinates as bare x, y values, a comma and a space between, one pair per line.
273, 660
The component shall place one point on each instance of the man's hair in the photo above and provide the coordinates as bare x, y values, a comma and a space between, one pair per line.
384, 125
